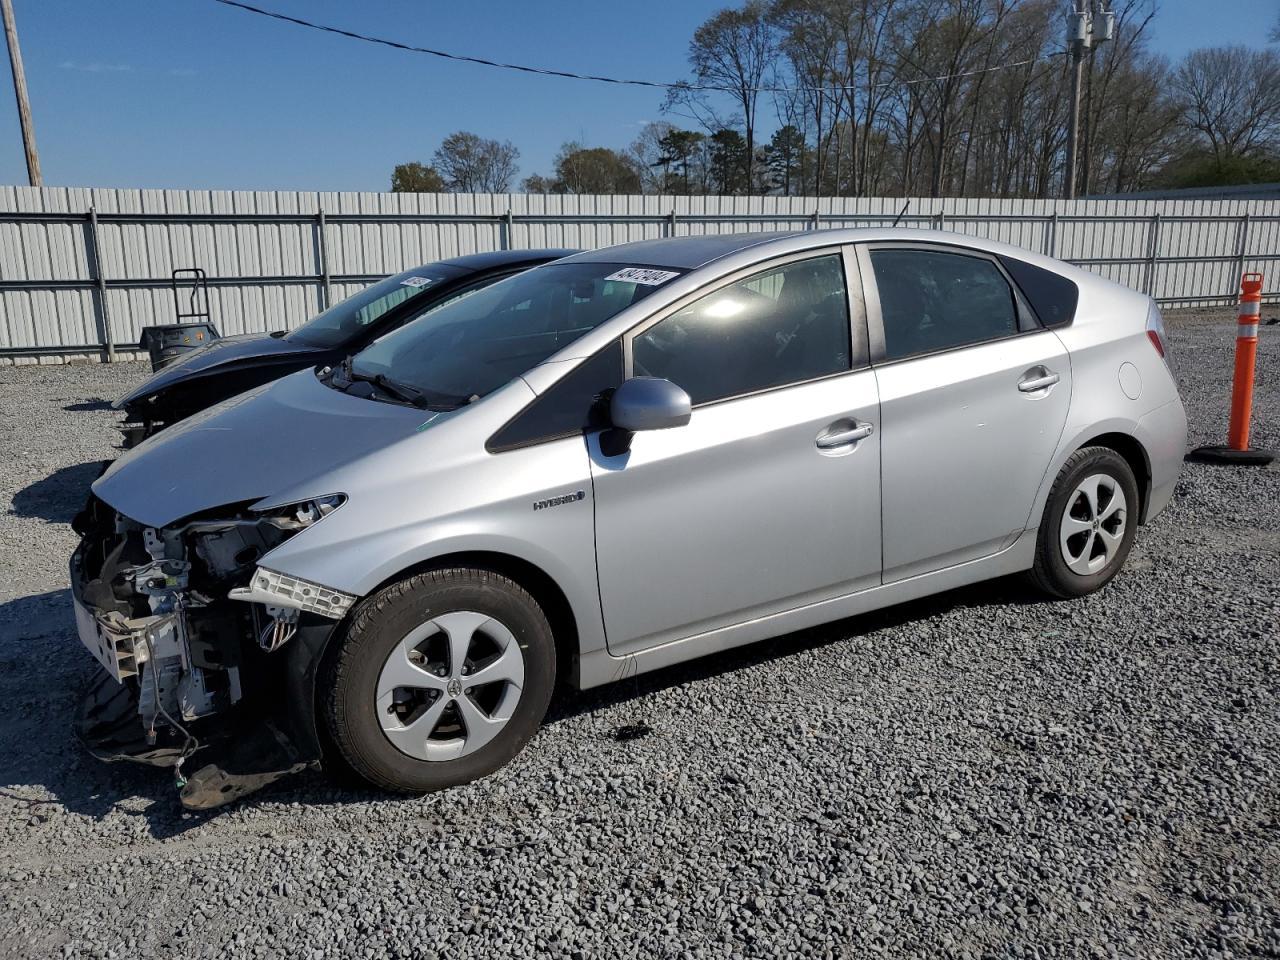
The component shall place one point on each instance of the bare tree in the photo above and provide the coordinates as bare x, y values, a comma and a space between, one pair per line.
946, 59
869, 68
940, 97
472, 164
1138, 135
1231, 97
1015, 125
652, 161
811, 43
791, 111
731, 51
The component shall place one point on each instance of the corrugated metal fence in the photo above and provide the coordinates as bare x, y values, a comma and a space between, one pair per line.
83, 270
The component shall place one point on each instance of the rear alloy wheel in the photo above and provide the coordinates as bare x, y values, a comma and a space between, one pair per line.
1093, 524
1089, 524
440, 679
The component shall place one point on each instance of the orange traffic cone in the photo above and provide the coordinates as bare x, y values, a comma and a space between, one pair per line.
1237, 449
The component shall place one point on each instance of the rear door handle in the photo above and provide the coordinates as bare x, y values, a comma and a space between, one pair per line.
1032, 384
845, 437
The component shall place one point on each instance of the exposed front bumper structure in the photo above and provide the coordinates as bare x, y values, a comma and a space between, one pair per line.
191, 677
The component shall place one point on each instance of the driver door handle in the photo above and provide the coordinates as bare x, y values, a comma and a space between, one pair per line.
843, 438
1041, 382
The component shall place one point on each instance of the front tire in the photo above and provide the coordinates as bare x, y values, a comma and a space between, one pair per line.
440, 679
1089, 524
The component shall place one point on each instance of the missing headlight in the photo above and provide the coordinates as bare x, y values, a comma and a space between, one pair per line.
187, 669
231, 547
310, 511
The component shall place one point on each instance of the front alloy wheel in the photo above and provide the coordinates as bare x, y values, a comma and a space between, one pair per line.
440, 679
450, 686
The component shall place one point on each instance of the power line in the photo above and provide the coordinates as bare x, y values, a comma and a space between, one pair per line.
973, 73
441, 53
569, 75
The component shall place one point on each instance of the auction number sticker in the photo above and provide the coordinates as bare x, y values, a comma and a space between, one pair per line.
415, 281
650, 278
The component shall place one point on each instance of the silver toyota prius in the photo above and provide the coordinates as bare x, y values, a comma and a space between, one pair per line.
606, 465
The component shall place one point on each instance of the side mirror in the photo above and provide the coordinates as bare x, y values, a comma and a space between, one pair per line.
649, 403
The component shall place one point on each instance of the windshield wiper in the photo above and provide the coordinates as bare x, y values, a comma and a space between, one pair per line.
402, 392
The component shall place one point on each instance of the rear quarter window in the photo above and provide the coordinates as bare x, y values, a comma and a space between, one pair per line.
1052, 296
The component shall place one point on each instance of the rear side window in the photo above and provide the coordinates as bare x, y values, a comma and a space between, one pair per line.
780, 326
1052, 296
930, 300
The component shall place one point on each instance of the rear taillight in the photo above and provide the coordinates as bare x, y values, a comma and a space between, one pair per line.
1156, 334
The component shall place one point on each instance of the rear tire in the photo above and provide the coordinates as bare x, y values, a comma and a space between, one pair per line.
1089, 524
440, 679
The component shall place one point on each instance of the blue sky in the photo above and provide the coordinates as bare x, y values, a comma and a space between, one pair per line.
189, 93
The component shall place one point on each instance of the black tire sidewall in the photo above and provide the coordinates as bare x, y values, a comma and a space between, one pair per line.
349, 701
1051, 566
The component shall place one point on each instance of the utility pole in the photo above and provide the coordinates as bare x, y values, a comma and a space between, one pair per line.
1083, 30
20, 91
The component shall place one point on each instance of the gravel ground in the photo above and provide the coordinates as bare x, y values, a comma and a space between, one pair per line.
968, 776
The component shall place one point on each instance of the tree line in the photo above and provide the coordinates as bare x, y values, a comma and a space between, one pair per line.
915, 97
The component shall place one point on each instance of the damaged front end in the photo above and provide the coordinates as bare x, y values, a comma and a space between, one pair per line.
209, 660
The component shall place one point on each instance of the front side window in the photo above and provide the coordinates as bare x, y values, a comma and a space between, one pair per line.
784, 325
472, 346
931, 300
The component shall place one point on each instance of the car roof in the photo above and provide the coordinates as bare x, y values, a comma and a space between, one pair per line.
703, 260
741, 249
496, 259
682, 253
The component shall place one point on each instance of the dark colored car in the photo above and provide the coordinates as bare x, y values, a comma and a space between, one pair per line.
232, 365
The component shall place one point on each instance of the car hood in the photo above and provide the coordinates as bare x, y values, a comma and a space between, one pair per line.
250, 447
225, 352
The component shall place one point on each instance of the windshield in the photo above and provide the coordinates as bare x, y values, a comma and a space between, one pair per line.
341, 322
471, 347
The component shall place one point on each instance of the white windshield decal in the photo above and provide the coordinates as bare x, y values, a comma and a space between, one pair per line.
415, 281
650, 278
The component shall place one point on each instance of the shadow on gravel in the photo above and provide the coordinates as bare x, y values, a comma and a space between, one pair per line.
87, 406
42, 671
37, 617
571, 703
41, 762
58, 497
